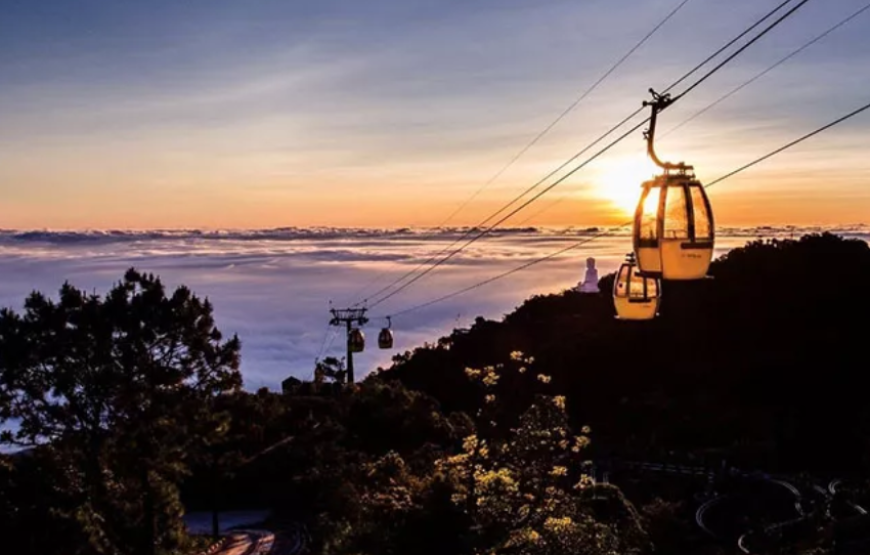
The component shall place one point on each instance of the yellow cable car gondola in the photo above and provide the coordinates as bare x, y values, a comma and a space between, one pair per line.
635, 296
356, 340
385, 338
673, 224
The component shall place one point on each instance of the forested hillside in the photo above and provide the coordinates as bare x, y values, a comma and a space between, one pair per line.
760, 365
489, 440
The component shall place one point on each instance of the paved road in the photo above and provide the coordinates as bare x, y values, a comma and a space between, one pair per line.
248, 542
263, 542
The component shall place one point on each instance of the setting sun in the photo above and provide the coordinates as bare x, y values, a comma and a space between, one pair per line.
619, 182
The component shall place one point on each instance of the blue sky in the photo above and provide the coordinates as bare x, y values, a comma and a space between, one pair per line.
261, 113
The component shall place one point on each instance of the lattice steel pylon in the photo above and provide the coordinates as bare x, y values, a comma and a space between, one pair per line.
348, 317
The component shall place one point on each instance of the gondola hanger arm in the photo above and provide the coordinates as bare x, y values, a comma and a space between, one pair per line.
658, 104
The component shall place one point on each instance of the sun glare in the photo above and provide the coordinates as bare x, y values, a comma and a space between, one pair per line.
619, 182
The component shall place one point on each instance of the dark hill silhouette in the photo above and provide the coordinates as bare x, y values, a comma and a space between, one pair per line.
761, 365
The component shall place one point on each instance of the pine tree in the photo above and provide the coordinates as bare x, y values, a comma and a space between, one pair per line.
120, 390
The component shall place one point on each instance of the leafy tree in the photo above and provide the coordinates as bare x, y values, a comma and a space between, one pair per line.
329, 368
706, 377
354, 427
523, 490
255, 422
666, 524
528, 491
35, 510
120, 390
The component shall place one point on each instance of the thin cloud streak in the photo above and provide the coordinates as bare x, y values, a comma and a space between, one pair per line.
276, 113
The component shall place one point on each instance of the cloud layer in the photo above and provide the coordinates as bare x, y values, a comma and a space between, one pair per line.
273, 287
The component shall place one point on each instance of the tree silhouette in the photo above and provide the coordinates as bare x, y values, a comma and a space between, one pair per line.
331, 368
119, 389
744, 366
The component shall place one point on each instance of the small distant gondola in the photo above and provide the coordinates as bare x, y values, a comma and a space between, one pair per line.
385, 338
635, 296
356, 340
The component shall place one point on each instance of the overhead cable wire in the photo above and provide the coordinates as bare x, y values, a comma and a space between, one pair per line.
522, 206
791, 144
770, 27
378, 277
610, 231
525, 149
502, 275
730, 43
610, 145
749, 29
730, 93
768, 70
543, 209
332, 339
567, 110
323, 343
467, 233
519, 197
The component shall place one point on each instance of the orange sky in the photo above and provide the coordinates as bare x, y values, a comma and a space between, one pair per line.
157, 122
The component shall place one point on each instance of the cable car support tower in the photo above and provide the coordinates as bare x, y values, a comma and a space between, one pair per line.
347, 317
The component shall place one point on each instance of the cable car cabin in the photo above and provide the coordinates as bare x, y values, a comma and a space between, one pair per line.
673, 224
673, 227
385, 339
635, 296
356, 340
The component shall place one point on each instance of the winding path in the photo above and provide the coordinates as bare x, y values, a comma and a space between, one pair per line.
263, 542
247, 542
832, 488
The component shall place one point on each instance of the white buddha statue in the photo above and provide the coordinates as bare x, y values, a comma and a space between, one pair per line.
590, 282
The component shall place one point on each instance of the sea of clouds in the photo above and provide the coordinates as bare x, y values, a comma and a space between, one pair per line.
273, 287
